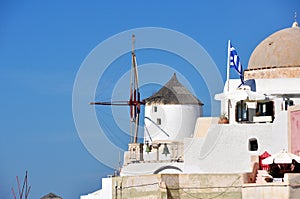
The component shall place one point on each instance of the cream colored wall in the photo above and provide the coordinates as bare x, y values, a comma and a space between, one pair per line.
203, 124
289, 189
184, 186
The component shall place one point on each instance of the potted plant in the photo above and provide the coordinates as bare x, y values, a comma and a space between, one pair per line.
223, 119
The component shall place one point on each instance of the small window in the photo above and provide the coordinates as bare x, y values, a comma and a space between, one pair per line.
158, 121
253, 145
155, 108
286, 103
241, 111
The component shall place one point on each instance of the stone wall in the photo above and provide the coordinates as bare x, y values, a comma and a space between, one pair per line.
188, 186
138, 187
184, 186
272, 72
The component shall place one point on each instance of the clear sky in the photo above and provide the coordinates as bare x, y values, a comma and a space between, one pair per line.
42, 46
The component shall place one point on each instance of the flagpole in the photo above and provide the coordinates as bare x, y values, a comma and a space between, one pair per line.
227, 77
228, 65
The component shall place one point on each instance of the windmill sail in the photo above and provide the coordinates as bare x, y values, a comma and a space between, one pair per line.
134, 101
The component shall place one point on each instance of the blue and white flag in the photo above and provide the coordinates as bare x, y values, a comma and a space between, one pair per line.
235, 62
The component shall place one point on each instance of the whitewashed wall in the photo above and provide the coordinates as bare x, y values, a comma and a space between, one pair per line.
176, 120
104, 193
225, 149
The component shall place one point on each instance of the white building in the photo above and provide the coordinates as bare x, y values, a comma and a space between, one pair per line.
259, 119
263, 115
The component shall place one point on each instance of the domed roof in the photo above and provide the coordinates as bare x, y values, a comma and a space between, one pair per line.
281, 49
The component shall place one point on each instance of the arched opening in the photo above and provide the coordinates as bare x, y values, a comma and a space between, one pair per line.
167, 168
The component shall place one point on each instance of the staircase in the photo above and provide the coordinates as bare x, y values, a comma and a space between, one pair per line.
260, 176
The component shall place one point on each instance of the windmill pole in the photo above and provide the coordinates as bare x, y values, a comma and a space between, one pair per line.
134, 101
131, 94
25, 189
136, 93
12, 189
19, 189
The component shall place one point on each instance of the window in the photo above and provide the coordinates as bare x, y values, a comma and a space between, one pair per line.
241, 111
253, 145
286, 103
250, 111
265, 108
158, 121
155, 108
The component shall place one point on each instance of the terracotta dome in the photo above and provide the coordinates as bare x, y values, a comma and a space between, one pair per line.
277, 56
281, 49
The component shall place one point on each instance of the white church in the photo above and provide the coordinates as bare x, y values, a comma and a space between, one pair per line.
185, 154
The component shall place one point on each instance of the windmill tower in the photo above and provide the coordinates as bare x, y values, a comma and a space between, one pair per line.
170, 116
171, 113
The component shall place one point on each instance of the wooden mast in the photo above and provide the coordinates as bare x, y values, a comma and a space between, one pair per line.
135, 105
134, 102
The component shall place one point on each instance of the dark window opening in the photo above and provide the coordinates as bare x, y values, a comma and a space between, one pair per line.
158, 121
253, 145
241, 111
254, 111
286, 103
265, 109
155, 108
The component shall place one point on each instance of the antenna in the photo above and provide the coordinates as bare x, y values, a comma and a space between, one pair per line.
25, 189
133, 41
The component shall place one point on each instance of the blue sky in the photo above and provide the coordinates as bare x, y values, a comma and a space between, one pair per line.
42, 46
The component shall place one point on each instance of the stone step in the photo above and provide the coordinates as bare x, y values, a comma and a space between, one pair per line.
260, 176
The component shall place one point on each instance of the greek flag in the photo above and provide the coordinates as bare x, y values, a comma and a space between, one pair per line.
235, 62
